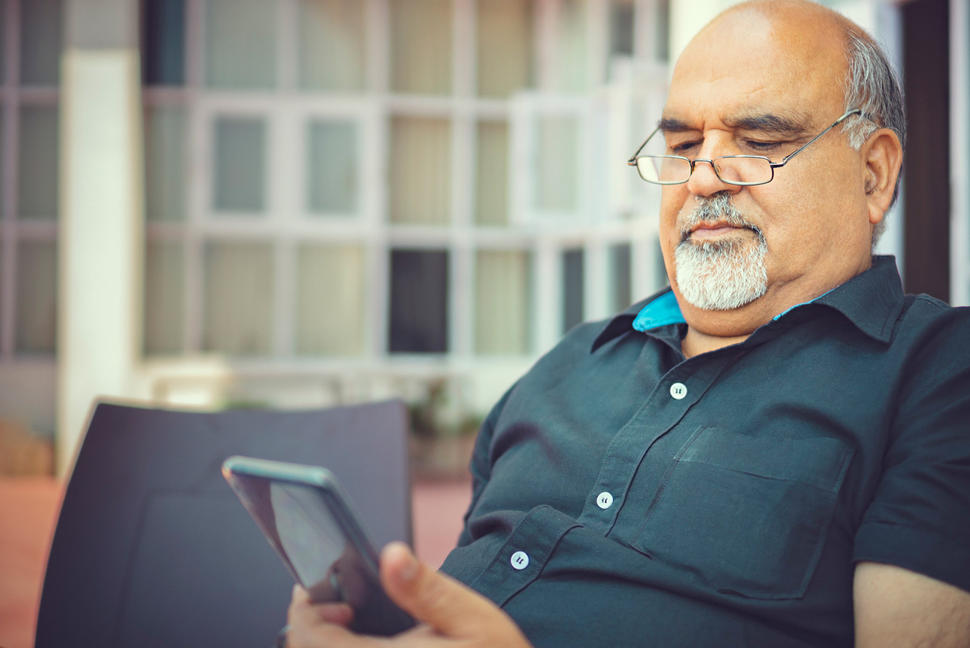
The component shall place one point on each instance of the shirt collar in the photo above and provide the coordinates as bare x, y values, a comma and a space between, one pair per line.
660, 309
872, 301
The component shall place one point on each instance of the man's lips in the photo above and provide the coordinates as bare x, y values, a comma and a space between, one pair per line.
713, 230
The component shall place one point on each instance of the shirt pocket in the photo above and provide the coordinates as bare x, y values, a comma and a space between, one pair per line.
747, 515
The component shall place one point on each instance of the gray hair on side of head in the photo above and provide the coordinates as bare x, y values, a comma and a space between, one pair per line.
871, 85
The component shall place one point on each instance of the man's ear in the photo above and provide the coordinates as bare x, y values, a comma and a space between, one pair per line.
883, 156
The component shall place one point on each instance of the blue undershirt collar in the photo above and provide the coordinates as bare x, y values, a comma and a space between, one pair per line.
659, 312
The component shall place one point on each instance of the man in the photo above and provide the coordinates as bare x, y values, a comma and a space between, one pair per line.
774, 453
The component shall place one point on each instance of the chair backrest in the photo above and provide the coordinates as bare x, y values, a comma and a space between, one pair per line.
152, 548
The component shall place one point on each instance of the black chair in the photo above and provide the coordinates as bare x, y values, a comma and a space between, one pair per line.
152, 548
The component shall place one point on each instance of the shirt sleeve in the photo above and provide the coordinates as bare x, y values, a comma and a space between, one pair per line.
480, 466
919, 518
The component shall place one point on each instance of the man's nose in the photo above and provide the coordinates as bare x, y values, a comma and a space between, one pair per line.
705, 182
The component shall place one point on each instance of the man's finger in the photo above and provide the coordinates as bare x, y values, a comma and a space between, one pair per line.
446, 605
313, 625
339, 613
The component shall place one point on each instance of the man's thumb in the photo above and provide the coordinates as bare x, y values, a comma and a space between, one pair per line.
431, 597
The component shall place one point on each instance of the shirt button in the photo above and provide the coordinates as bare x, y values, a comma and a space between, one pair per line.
678, 390
520, 560
604, 500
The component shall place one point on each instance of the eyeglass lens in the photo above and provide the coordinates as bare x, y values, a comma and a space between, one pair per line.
740, 170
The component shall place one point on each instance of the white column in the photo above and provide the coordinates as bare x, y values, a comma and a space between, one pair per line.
101, 214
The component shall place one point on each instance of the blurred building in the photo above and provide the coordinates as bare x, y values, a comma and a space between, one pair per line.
297, 203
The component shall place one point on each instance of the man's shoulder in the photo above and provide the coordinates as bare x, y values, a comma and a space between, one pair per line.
932, 336
922, 312
927, 304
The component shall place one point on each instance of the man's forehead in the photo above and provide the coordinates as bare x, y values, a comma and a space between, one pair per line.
763, 76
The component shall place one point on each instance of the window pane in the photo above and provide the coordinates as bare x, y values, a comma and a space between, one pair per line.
330, 307
164, 297
163, 51
36, 309
620, 277
332, 45
420, 170
621, 27
419, 301
37, 171
421, 48
165, 175
492, 174
572, 288
502, 298
238, 298
556, 155
662, 31
241, 44
240, 165
571, 67
40, 42
505, 61
332, 167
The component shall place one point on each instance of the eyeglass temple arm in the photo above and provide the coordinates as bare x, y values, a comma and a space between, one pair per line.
633, 159
846, 115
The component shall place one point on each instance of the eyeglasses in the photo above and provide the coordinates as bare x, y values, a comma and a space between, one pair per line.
742, 170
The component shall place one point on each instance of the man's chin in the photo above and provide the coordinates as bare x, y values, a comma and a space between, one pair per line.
721, 278
702, 301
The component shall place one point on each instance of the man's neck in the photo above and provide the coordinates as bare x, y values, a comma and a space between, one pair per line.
711, 330
696, 342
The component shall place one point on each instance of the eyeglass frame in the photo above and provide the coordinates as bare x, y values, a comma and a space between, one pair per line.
773, 165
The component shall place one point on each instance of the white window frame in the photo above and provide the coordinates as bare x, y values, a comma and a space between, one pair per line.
601, 218
13, 230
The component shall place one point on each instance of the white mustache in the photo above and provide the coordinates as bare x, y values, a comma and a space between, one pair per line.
718, 208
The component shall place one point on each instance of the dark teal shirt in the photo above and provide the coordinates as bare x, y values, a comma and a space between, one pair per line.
627, 496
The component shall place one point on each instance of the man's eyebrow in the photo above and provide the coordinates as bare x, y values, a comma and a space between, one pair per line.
672, 125
770, 123
767, 122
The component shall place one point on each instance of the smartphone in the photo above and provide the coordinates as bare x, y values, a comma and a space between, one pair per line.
307, 520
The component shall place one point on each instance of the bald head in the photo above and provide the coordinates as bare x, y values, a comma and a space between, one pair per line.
800, 39
810, 14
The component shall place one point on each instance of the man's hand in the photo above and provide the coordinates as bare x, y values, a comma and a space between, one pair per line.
449, 613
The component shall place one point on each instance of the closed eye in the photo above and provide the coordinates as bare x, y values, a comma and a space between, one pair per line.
682, 148
762, 146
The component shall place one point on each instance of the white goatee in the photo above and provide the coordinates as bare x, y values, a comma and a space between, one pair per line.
721, 275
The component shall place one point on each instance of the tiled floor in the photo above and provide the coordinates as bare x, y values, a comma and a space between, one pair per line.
28, 511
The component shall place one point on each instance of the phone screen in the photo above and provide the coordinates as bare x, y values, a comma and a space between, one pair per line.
331, 560
310, 538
